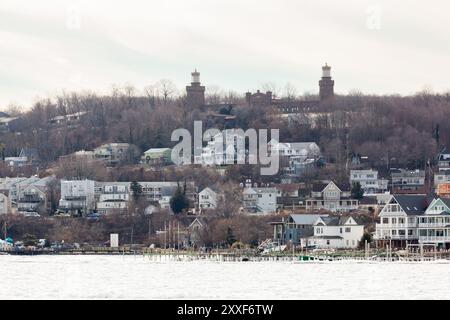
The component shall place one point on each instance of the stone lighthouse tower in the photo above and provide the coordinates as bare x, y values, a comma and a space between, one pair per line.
195, 92
326, 84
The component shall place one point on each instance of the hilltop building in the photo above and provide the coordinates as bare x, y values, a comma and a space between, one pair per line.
326, 84
195, 93
292, 106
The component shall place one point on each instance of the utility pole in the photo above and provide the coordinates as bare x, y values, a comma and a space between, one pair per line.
165, 235
149, 227
131, 240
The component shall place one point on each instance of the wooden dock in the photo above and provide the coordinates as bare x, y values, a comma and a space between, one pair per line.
223, 255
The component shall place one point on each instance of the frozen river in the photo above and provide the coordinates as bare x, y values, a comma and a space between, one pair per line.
129, 277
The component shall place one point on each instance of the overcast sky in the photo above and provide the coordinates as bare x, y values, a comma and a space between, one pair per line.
374, 46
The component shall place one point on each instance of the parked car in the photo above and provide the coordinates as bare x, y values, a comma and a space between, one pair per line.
63, 215
30, 214
93, 216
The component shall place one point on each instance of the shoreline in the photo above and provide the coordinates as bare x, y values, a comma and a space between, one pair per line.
233, 257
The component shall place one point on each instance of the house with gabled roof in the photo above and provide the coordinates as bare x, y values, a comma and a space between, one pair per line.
336, 233
207, 198
295, 228
260, 200
195, 230
33, 198
331, 197
159, 156
443, 159
399, 218
433, 227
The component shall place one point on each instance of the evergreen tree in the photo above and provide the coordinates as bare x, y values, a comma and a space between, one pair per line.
357, 191
437, 134
179, 201
136, 190
366, 237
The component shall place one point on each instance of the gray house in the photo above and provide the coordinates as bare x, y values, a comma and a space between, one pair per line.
295, 228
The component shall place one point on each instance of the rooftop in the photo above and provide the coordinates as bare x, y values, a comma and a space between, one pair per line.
306, 219
412, 204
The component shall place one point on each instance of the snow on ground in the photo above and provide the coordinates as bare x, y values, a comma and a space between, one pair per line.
135, 277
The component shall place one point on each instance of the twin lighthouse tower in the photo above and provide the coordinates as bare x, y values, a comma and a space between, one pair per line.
196, 92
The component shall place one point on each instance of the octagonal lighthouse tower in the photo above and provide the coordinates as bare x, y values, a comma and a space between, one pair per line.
195, 93
326, 84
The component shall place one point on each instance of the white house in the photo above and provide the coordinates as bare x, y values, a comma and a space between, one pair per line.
227, 147
32, 197
15, 185
415, 219
443, 159
299, 156
434, 226
207, 199
68, 119
336, 233
368, 179
114, 153
262, 200
288, 149
402, 179
330, 197
162, 191
112, 196
77, 196
399, 218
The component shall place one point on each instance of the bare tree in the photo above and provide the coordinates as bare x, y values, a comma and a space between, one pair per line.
213, 94
272, 87
166, 89
150, 92
290, 91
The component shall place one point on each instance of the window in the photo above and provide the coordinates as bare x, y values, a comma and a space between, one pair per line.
410, 232
394, 220
348, 229
340, 230
401, 220
385, 220
394, 232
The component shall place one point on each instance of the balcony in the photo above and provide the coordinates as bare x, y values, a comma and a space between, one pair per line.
74, 198
395, 226
30, 200
434, 238
396, 237
115, 192
434, 225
